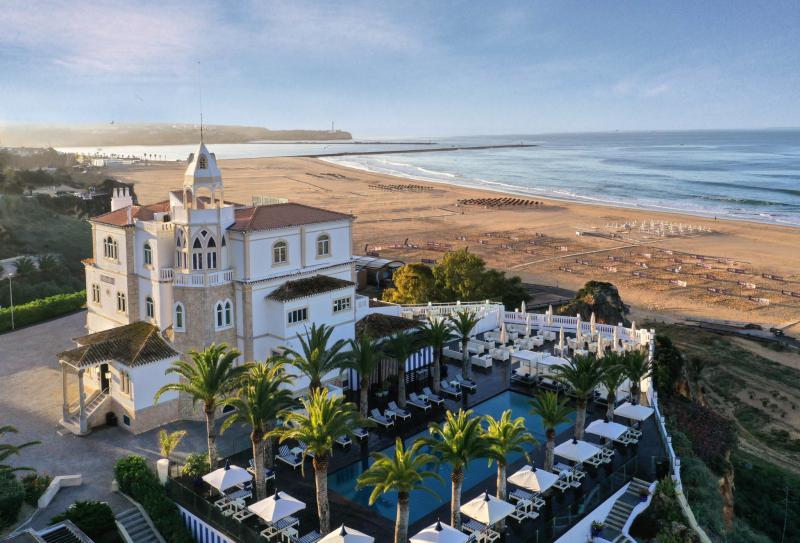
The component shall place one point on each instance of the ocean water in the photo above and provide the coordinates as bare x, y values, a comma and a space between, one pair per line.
746, 175
735, 174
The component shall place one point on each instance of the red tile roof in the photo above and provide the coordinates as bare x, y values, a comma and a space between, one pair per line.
269, 217
144, 213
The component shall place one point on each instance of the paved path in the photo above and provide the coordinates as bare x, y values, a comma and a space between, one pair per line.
30, 399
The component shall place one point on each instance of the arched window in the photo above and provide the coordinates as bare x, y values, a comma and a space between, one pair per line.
148, 255
149, 308
228, 313
220, 315
110, 248
211, 254
324, 245
202, 162
197, 254
178, 321
197, 244
279, 252
211, 242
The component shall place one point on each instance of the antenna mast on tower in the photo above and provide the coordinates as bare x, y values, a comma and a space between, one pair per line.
200, 91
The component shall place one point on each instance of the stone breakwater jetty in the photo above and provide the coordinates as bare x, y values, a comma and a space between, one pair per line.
426, 150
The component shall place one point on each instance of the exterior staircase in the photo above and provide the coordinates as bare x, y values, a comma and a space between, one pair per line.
137, 528
618, 516
73, 422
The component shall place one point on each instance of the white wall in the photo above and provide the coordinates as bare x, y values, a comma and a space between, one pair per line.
147, 379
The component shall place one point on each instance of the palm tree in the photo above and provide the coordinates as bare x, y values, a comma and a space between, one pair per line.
635, 367
263, 397
25, 265
553, 412
463, 322
364, 357
324, 419
168, 442
436, 333
694, 370
7, 450
315, 358
506, 436
403, 472
48, 262
613, 377
583, 374
457, 442
400, 346
209, 378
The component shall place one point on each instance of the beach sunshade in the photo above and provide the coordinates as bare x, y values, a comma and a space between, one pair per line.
500, 317
279, 505
576, 450
528, 323
633, 331
633, 412
439, 533
610, 430
487, 509
592, 324
535, 480
343, 534
224, 478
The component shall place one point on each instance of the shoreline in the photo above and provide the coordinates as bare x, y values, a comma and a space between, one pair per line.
578, 200
417, 151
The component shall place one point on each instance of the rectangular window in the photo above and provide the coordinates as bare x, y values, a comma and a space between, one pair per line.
96, 294
126, 420
342, 304
122, 306
297, 315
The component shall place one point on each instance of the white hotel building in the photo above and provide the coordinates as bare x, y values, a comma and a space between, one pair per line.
193, 270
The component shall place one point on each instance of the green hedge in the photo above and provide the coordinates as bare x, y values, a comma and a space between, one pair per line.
95, 519
12, 494
42, 309
136, 479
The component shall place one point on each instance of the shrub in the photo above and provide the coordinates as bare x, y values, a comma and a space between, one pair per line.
196, 465
39, 310
136, 479
701, 488
712, 436
94, 518
12, 494
35, 485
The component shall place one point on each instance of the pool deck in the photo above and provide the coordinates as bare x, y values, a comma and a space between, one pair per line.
561, 511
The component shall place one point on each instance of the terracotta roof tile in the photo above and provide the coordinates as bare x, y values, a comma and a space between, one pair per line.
378, 325
143, 213
133, 344
309, 286
269, 217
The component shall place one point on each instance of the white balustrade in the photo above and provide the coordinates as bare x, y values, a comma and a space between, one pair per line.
203, 279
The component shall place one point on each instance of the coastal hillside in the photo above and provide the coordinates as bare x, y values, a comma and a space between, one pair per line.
151, 134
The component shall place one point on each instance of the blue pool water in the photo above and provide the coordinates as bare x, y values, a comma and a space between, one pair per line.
344, 481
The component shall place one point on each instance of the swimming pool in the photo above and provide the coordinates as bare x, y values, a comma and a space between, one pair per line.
343, 481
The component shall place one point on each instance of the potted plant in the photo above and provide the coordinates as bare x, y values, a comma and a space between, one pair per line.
195, 467
644, 493
597, 527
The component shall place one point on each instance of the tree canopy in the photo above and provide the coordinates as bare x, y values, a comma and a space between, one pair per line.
414, 284
600, 298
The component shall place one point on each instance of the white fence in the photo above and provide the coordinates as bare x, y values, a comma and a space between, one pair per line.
202, 532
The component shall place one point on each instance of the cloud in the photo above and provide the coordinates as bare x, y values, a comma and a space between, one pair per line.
643, 87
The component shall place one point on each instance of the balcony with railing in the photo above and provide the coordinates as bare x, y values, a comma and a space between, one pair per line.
202, 279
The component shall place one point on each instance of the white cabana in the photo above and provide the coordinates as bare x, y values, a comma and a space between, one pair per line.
633, 412
487, 509
610, 430
227, 477
346, 535
549, 360
535, 480
276, 507
439, 533
593, 325
576, 450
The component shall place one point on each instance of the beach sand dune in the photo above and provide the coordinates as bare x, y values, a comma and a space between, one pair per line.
659, 275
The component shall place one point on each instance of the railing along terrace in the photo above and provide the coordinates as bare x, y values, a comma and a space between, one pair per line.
154, 227
203, 279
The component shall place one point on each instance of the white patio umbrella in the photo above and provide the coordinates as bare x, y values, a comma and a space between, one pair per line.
500, 317
503, 334
527, 324
549, 315
439, 533
592, 325
633, 412
535, 480
576, 450
279, 505
633, 331
615, 339
561, 340
346, 535
522, 308
601, 348
229, 476
487, 509
602, 428
578, 331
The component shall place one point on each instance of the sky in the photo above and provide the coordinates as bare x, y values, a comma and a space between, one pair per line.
405, 68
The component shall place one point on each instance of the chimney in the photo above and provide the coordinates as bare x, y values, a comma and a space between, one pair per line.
121, 198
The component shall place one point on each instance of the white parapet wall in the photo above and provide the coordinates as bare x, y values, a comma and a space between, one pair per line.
55, 485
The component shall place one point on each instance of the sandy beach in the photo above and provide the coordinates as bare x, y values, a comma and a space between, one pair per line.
666, 265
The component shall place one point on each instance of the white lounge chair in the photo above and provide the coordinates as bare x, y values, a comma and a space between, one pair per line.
469, 384
398, 411
287, 457
303, 446
344, 441
376, 417
432, 396
448, 389
418, 402
361, 434
268, 473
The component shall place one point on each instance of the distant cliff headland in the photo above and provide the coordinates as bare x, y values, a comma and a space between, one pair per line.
150, 134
